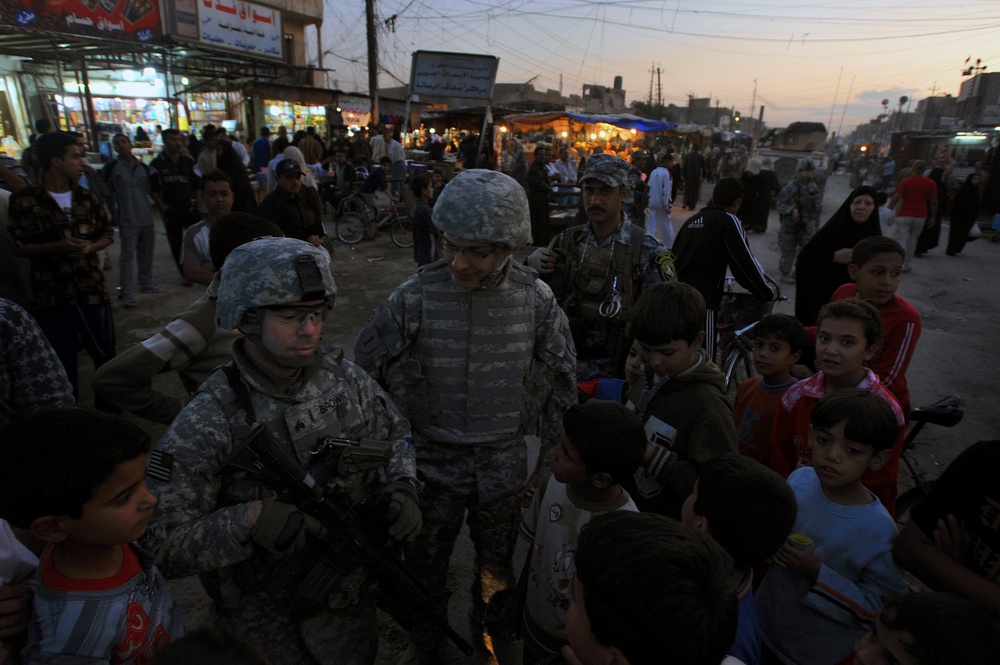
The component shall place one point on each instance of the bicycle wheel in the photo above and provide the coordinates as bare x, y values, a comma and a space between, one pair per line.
401, 232
738, 366
351, 228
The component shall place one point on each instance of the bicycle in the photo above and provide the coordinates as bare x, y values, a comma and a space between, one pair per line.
400, 226
946, 412
350, 219
739, 312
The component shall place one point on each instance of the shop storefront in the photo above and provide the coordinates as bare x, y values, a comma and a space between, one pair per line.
221, 109
292, 116
124, 113
294, 107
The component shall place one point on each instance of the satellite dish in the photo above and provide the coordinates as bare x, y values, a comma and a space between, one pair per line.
903, 100
885, 102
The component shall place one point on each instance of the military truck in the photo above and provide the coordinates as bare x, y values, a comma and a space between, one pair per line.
785, 147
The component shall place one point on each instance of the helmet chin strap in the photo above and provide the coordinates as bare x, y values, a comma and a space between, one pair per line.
500, 267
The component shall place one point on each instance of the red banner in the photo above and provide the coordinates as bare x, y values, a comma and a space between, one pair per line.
116, 20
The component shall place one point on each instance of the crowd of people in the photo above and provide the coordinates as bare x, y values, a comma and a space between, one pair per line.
661, 522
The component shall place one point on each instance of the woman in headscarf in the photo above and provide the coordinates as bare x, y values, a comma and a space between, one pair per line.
291, 152
931, 234
964, 213
821, 266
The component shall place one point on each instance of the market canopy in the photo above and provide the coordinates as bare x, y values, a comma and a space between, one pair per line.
621, 120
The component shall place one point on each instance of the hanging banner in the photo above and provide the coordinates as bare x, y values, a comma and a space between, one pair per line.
118, 20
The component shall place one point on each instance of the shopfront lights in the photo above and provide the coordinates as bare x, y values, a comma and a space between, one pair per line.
148, 72
185, 80
130, 75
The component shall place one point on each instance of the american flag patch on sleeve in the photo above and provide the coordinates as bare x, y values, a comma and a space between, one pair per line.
161, 466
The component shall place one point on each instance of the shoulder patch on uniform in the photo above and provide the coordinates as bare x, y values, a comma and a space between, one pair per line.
665, 261
161, 466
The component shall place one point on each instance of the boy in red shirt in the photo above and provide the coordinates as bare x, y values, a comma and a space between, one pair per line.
777, 343
877, 267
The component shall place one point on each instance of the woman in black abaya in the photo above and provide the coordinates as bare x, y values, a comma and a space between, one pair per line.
821, 266
964, 212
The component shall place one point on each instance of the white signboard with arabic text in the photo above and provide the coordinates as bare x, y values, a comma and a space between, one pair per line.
242, 26
441, 74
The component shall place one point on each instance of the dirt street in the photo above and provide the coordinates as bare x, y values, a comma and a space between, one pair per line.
955, 355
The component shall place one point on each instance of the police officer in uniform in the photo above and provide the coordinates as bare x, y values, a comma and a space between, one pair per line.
798, 205
252, 548
599, 269
476, 353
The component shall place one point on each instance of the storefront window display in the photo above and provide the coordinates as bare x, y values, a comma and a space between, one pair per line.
205, 108
294, 117
13, 123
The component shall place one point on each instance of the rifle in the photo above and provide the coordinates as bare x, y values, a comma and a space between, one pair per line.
261, 453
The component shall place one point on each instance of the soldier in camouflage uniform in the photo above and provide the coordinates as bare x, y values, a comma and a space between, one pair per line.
637, 199
476, 352
227, 525
599, 269
798, 205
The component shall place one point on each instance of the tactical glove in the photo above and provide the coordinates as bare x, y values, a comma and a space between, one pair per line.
537, 258
282, 528
405, 505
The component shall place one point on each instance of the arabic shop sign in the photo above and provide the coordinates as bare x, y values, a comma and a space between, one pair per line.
119, 20
241, 26
440, 74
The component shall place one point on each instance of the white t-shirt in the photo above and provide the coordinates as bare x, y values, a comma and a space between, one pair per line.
64, 199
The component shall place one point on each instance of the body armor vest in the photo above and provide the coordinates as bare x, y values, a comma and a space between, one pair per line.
474, 352
589, 275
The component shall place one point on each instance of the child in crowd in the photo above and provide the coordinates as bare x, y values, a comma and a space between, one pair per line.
886, 216
777, 345
876, 268
833, 575
648, 591
614, 389
930, 629
76, 480
426, 248
849, 333
952, 541
749, 510
680, 399
602, 443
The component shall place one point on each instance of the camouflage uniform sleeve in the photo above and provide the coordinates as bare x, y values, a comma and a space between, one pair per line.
555, 367
190, 532
385, 422
653, 270
390, 330
787, 199
35, 378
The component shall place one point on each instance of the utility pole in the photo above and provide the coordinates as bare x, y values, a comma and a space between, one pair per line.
659, 89
652, 71
372, 58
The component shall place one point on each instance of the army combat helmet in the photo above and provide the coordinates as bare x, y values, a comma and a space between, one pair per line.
486, 206
270, 272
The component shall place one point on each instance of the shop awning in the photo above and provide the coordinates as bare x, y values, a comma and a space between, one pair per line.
620, 120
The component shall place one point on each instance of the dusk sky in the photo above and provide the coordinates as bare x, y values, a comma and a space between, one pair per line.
796, 51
